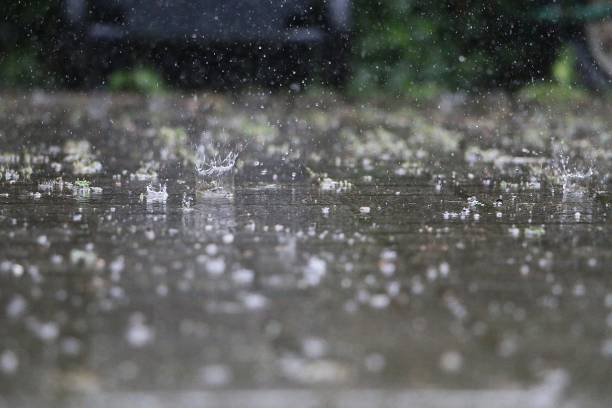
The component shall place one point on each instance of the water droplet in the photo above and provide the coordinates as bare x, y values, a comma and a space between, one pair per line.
9, 362
451, 361
138, 334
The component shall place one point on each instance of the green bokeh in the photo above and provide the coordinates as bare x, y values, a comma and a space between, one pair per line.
138, 79
456, 43
400, 46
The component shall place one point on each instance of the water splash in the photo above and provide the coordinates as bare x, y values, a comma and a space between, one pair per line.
11, 176
157, 192
571, 173
215, 165
187, 203
216, 175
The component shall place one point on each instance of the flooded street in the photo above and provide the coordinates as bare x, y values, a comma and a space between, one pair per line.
383, 255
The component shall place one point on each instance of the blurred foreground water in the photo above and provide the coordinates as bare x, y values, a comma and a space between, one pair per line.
452, 253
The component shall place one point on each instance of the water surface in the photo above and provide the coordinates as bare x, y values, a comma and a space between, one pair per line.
439, 253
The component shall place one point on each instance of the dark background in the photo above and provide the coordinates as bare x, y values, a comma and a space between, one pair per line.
399, 45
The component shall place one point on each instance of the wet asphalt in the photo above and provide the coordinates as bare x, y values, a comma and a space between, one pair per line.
453, 252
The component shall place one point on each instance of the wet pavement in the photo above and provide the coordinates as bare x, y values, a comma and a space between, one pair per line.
448, 253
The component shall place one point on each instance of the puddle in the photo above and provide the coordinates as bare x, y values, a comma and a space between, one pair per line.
359, 247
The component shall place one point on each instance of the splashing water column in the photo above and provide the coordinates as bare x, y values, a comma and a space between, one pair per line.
215, 174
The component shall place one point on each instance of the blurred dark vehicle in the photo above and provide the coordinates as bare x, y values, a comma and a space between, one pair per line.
204, 41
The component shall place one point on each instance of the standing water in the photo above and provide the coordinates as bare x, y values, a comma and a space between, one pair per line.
356, 255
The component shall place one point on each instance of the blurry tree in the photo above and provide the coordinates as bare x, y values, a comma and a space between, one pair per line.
459, 43
399, 44
23, 26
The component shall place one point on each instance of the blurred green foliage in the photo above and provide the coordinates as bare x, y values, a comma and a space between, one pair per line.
563, 71
562, 87
553, 93
416, 46
139, 79
20, 67
24, 24
457, 43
